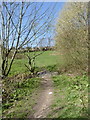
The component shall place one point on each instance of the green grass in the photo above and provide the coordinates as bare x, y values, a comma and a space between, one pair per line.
71, 97
22, 98
70, 92
20, 91
48, 60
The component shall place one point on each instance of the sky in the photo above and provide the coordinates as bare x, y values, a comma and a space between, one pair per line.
57, 9
54, 8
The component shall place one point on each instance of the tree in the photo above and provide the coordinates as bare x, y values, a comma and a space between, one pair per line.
72, 35
22, 23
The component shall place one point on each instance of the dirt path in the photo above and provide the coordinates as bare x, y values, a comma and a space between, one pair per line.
42, 108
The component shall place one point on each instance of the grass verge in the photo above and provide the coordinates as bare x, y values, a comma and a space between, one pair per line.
21, 99
71, 97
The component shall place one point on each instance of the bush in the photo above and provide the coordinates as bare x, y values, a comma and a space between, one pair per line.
72, 36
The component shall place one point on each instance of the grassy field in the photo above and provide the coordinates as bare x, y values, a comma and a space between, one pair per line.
70, 90
22, 91
47, 60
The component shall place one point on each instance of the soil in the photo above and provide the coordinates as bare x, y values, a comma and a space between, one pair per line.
43, 105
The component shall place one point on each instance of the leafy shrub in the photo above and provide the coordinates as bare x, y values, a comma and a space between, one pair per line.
72, 36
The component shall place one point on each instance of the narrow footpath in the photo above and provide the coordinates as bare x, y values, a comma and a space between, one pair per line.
42, 107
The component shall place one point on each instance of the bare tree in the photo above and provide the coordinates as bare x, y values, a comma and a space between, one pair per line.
22, 23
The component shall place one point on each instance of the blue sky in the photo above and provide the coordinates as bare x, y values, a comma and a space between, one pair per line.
58, 8
54, 7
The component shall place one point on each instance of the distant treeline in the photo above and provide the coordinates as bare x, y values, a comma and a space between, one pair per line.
29, 49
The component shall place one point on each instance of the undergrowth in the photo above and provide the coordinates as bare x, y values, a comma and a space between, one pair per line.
21, 99
71, 96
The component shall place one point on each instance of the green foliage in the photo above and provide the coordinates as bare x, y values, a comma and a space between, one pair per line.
52, 68
71, 97
20, 98
47, 60
72, 36
24, 88
19, 85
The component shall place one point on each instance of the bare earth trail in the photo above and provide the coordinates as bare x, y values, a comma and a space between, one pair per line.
42, 107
